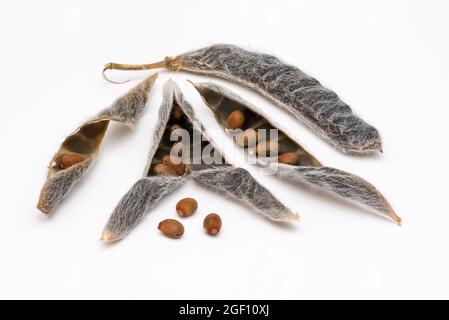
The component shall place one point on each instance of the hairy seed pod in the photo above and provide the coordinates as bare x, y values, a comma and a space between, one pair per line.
295, 162
290, 158
186, 207
212, 223
217, 176
171, 228
235, 120
80, 149
287, 86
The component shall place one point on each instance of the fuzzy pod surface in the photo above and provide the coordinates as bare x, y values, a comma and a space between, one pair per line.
83, 145
308, 170
287, 86
221, 177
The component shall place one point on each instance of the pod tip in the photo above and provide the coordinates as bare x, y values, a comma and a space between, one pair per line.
42, 208
395, 217
294, 217
107, 237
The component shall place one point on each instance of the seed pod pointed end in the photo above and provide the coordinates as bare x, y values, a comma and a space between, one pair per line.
295, 217
395, 217
108, 237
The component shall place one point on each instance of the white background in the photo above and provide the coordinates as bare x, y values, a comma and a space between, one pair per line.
387, 59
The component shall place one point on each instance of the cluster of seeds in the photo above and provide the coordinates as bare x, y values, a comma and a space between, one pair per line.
185, 208
249, 137
172, 164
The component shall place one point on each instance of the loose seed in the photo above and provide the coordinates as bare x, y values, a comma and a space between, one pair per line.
235, 120
267, 148
290, 158
247, 138
171, 228
186, 207
164, 170
69, 160
174, 163
212, 223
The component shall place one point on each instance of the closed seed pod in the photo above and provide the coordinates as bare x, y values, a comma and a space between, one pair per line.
218, 175
80, 149
212, 223
171, 228
287, 86
294, 162
186, 207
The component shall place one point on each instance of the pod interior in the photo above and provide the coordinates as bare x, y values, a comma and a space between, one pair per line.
255, 132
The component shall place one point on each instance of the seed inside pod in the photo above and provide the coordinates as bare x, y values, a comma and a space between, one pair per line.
290, 158
235, 120
171, 228
164, 170
69, 160
175, 127
186, 207
174, 163
267, 148
247, 138
212, 223
177, 112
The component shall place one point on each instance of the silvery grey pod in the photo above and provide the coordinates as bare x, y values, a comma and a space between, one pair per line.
181, 148
80, 149
287, 86
288, 159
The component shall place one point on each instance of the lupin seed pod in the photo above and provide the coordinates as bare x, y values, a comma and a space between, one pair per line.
218, 175
287, 86
79, 150
293, 162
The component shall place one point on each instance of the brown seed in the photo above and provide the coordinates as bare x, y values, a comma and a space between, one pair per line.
177, 112
290, 158
171, 228
164, 170
235, 120
69, 160
175, 163
186, 207
267, 148
247, 138
212, 223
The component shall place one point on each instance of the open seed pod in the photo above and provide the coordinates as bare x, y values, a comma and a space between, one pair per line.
80, 149
173, 160
284, 155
